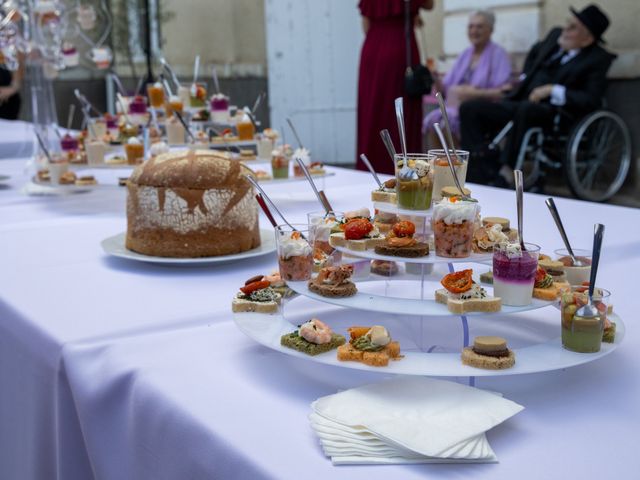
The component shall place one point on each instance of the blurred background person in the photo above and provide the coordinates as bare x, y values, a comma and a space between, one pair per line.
381, 79
481, 71
10, 83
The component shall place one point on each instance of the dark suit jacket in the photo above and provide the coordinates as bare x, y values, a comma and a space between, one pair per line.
584, 76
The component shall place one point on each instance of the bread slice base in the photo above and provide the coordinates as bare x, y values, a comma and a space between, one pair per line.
473, 359
338, 240
488, 304
241, 305
385, 197
414, 251
347, 289
296, 342
391, 351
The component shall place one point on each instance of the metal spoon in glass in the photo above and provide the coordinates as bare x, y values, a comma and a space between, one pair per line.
519, 201
388, 143
447, 125
367, 163
445, 147
405, 172
556, 217
590, 310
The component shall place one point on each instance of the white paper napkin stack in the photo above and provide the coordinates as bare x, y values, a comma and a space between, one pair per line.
409, 420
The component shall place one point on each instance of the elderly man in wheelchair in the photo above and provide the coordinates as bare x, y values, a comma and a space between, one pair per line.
551, 117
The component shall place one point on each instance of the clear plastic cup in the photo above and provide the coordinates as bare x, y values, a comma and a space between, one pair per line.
575, 275
453, 224
321, 226
442, 176
583, 334
514, 272
279, 165
295, 253
414, 184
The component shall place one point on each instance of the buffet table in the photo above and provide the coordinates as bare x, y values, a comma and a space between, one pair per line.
116, 369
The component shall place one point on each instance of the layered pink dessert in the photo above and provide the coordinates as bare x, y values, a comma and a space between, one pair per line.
69, 143
514, 273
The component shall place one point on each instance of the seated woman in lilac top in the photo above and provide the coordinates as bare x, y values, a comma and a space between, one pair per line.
481, 71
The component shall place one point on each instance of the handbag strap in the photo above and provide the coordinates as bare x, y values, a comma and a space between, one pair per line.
407, 31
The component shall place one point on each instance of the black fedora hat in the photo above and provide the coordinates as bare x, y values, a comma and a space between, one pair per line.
594, 19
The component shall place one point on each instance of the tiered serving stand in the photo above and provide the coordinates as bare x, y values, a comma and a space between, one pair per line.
408, 305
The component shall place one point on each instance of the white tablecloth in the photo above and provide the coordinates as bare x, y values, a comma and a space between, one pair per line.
16, 138
126, 370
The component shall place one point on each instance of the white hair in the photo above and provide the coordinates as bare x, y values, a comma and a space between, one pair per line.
488, 16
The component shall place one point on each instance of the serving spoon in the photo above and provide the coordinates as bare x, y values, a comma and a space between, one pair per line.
367, 163
519, 200
556, 217
388, 143
590, 310
405, 172
321, 197
447, 124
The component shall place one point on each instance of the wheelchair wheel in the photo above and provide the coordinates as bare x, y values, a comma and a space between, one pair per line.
598, 156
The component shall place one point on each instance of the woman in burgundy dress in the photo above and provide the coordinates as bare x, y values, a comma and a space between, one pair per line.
381, 80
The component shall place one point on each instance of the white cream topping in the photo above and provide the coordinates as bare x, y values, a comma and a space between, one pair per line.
422, 168
134, 141
512, 250
454, 212
292, 247
219, 96
496, 235
303, 154
323, 227
175, 98
361, 212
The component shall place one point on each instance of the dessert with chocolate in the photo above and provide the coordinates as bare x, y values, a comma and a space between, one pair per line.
490, 353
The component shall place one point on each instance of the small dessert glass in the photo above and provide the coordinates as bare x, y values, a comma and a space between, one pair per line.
575, 275
264, 147
514, 272
279, 165
156, 95
134, 152
246, 130
442, 176
583, 334
321, 226
453, 224
57, 168
295, 255
414, 184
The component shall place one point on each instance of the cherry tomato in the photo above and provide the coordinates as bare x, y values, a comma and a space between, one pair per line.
404, 229
357, 229
540, 275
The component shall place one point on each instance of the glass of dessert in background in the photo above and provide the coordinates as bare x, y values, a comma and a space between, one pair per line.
295, 255
304, 155
111, 122
442, 176
575, 275
245, 128
219, 106
279, 164
583, 334
134, 149
57, 167
453, 223
197, 95
514, 272
175, 131
69, 144
321, 226
98, 129
155, 92
138, 111
175, 104
414, 182
96, 151
264, 146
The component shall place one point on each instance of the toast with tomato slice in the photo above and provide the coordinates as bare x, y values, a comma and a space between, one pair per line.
256, 296
357, 234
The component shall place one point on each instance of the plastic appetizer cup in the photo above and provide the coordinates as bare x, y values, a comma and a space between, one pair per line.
295, 255
321, 226
442, 176
414, 184
453, 222
575, 275
514, 272
279, 165
583, 334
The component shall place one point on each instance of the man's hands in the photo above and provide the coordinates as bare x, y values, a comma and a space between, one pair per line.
541, 93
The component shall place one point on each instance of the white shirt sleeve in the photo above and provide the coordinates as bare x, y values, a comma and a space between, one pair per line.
558, 95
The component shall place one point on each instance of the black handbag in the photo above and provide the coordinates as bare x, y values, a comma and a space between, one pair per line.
417, 78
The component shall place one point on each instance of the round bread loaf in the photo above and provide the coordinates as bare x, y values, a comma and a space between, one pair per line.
191, 203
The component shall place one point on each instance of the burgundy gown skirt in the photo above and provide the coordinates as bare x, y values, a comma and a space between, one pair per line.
381, 81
